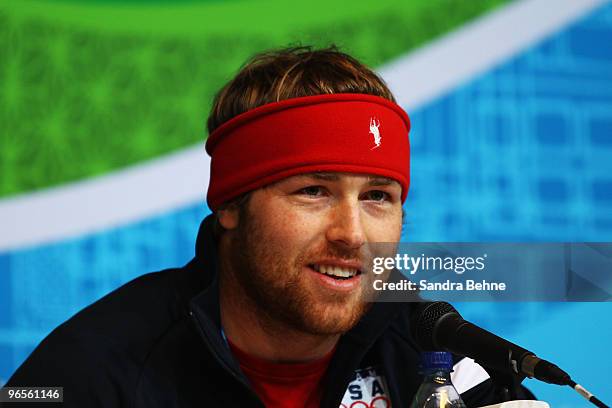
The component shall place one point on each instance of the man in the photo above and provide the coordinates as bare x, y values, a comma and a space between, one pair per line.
310, 165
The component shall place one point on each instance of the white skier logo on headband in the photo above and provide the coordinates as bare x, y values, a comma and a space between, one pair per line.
374, 125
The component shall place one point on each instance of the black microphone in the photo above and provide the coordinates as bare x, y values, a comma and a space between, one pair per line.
438, 326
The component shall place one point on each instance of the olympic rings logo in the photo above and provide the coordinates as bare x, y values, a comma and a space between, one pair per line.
363, 404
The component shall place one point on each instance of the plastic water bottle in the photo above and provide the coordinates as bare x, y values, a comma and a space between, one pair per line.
437, 390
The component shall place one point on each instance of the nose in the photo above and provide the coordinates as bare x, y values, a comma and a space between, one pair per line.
346, 226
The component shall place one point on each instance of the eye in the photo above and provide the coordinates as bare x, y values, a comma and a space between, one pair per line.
312, 191
377, 195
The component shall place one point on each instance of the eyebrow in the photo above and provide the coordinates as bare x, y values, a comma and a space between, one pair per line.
381, 181
323, 176
330, 176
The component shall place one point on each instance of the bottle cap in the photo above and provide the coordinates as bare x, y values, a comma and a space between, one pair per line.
442, 360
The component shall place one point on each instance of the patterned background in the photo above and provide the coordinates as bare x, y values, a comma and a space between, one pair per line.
80, 100
522, 152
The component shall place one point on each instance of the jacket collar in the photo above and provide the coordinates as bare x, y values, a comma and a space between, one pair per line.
205, 306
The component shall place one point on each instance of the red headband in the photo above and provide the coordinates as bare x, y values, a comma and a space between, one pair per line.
354, 133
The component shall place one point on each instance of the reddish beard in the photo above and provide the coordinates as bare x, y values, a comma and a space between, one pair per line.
279, 289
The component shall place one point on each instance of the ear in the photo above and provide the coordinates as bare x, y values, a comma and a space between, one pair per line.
229, 217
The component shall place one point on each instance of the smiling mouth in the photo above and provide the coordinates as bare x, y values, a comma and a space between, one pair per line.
336, 272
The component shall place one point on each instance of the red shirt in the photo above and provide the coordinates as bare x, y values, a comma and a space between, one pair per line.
284, 385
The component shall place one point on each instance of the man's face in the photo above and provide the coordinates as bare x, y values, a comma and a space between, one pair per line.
300, 249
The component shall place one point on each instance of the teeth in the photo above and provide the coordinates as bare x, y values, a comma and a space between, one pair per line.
335, 271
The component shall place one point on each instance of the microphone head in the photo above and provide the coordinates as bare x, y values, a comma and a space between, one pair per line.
423, 319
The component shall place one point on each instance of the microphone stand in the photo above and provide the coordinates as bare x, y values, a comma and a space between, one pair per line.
505, 384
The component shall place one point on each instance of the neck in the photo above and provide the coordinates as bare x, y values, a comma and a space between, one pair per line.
257, 333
